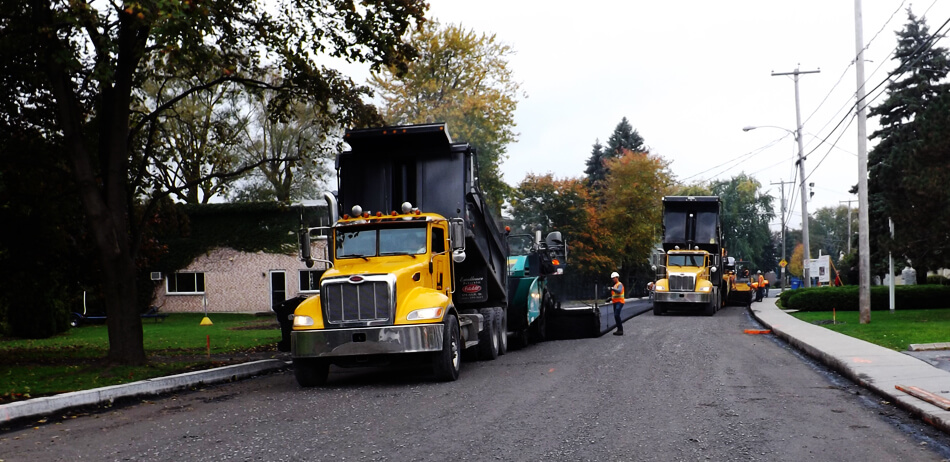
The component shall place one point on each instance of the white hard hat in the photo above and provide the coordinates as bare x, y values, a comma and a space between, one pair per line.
615, 275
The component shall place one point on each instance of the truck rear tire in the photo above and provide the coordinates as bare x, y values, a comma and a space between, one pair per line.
488, 337
501, 330
311, 372
447, 363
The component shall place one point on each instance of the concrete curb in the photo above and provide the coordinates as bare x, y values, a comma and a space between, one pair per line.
39, 407
874, 367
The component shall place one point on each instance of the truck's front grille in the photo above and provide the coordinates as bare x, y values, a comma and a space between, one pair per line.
682, 284
369, 301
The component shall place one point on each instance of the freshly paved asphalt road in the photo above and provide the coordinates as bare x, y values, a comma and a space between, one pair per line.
676, 387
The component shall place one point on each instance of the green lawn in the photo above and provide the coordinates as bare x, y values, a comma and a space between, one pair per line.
895, 331
73, 360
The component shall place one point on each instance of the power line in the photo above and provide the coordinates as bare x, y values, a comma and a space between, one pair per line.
900, 70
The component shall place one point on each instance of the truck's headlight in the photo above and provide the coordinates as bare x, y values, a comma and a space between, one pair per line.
425, 313
660, 288
302, 321
705, 289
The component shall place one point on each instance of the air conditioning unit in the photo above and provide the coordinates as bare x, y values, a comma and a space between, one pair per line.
156, 276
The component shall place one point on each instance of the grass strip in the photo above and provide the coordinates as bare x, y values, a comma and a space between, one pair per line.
895, 331
74, 360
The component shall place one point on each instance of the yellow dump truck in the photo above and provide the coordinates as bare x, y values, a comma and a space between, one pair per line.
418, 267
690, 273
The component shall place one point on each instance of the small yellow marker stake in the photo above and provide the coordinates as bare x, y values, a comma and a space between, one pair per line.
205, 321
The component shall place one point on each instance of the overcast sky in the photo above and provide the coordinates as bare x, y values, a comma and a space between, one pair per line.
689, 75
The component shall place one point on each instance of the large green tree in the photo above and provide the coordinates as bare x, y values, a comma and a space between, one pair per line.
196, 140
746, 213
293, 153
461, 78
93, 58
828, 231
908, 168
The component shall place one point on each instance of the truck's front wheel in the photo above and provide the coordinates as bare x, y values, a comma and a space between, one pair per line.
311, 372
447, 363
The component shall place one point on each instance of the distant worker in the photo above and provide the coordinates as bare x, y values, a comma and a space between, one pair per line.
763, 287
755, 290
650, 290
616, 297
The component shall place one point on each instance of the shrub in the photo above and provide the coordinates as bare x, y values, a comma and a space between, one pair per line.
845, 298
938, 279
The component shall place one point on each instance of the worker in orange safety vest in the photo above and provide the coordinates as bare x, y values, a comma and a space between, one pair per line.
762, 287
617, 299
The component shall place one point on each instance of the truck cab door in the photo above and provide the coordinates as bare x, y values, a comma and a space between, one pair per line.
441, 275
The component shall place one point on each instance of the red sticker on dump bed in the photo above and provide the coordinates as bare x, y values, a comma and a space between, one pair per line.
471, 288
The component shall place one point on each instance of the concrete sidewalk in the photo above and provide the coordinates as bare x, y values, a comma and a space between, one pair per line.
879, 369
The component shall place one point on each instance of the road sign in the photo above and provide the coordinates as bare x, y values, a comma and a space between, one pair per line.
783, 263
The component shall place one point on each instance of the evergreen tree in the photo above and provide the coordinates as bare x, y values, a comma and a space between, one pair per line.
910, 159
595, 164
623, 138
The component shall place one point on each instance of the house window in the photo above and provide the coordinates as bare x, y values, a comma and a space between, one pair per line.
185, 283
310, 280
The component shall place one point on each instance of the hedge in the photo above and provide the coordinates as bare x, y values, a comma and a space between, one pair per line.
845, 298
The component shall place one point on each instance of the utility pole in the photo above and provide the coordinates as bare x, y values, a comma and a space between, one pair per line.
864, 247
806, 274
783, 183
849, 222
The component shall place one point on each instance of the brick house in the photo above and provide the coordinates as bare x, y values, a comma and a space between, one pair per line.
238, 281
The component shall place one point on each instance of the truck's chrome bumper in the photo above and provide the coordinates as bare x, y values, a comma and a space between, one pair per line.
366, 341
683, 297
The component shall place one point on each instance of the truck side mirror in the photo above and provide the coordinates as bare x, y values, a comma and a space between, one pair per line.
457, 234
305, 255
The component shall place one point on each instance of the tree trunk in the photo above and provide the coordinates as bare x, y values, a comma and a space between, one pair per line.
103, 179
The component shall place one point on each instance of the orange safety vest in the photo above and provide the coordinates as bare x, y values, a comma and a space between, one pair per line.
616, 293
761, 281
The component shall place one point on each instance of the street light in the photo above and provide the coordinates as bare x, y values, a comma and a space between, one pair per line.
801, 165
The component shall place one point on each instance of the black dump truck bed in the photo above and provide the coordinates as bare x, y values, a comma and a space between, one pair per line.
692, 221
421, 165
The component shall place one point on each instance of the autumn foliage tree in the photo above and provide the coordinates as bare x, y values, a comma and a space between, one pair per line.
461, 78
563, 205
632, 210
796, 262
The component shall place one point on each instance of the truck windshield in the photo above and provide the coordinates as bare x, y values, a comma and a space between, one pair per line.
520, 244
371, 242
686, 260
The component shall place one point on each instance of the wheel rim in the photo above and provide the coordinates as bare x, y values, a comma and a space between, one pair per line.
456, 360
496, 343
503, 332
